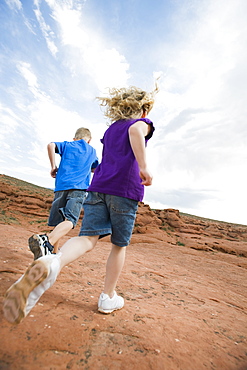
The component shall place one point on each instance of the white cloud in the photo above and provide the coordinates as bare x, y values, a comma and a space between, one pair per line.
198, 66
25, 70
45, 29
14, 4
200, 141
9, 123
90, 54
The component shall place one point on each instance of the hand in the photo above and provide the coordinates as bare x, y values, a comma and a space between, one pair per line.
53, 172
146, 177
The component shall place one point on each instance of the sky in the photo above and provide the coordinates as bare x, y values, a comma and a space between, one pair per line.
57, 56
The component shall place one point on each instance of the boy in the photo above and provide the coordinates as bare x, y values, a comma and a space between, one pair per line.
78, 160
110, 207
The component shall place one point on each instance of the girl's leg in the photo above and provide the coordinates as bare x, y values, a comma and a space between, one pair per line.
76, 247
22, 296
114, 267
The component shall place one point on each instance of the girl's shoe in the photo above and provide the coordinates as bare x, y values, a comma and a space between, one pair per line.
22, 296
108, 305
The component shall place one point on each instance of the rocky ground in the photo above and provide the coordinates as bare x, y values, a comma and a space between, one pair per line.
184, 284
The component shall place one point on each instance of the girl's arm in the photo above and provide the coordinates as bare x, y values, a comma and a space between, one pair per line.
51, 154
137, 133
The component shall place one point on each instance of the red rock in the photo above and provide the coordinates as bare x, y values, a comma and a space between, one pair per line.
184, 284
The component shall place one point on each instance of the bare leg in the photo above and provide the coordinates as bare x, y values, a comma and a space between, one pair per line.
76, 247
22, 296
60, 230
56, 246
114, 267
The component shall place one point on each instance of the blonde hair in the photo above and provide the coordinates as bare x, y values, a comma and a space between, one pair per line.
126, 103
82, 133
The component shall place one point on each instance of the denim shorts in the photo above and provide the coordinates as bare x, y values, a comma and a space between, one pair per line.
109, 214
67, 204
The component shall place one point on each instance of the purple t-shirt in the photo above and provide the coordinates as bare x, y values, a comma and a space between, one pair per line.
118, 173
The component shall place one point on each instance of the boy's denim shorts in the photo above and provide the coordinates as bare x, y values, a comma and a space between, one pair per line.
109, 214
67, 205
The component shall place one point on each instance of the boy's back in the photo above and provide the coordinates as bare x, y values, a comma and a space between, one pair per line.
75, 165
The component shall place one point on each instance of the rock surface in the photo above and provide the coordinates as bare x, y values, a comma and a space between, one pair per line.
184, 284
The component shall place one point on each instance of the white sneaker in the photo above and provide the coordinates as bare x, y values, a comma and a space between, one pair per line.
108, 305
22, 296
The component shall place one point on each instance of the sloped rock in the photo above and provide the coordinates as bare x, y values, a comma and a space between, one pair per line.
184, 285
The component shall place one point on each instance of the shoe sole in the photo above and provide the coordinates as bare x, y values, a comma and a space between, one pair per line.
16, 296
34, 247
108, 311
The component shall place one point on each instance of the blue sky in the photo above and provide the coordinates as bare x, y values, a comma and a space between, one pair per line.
57, 56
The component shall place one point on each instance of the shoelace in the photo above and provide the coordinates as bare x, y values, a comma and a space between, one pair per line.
48, 247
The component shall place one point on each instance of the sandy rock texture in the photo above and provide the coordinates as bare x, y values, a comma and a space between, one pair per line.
184, 285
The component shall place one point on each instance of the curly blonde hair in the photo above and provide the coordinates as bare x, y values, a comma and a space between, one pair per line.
127, 103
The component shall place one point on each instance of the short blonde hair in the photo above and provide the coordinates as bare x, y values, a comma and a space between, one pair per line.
82, 133
127, 103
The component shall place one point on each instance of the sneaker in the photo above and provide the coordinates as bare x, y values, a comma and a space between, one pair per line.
108, 305
40, 246
22, 296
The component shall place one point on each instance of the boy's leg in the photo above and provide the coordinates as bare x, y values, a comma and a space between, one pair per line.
56, 247
22, 296
41, 245
71, 211
58, 232
64, 215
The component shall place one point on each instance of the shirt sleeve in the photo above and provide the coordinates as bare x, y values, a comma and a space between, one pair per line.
150, 123
95, 164
150, 134
60, 146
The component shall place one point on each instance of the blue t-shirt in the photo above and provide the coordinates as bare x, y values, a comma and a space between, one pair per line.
77, 160
118, 172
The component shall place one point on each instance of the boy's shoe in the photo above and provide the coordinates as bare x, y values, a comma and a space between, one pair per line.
40, 245
22, 296
108, 305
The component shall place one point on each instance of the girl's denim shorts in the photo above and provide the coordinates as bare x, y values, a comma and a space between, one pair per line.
106, 214
67, 205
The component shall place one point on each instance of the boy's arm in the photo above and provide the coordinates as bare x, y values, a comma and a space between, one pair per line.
137, 133
94, 165
51, 154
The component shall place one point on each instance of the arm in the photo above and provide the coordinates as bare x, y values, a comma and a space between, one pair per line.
137, 133
94, 165
51, 154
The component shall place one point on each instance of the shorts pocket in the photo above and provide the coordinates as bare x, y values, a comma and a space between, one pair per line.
124, 205
93, 198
